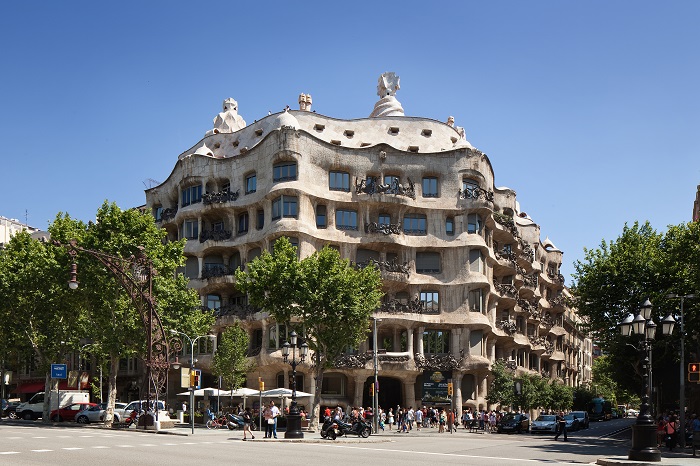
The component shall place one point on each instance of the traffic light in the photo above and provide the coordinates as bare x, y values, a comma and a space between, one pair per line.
694, 372
450, 389
261, 384
371, 389
196, 378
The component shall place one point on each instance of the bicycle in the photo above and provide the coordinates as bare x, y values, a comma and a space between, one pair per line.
214, 423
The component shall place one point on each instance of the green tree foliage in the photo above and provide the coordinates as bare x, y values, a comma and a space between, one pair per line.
501, 388
615, 278
230, 360
562, 396
326, 299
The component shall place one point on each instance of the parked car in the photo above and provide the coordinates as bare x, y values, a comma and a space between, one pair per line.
572, 422
582, 417
97, 413
68, 413
632, 413
544, 423
518, 423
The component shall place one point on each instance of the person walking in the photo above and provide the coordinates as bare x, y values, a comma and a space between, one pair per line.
671, 433
275, 414
450, 420
247, 420
419, 419
561, 426
268, 420
391, 417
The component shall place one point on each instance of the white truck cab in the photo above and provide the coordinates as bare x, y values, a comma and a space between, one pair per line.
34, 408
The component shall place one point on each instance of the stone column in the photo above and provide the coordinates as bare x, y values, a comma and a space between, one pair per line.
396, 340
492, 350
409, 342
467, 341
359, 386
483, 389
200, 262
457, 384
409, 388
419, 342
455, 335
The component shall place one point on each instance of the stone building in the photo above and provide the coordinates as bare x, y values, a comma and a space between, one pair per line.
467, 278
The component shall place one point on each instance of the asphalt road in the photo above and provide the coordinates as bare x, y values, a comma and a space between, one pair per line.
32, 443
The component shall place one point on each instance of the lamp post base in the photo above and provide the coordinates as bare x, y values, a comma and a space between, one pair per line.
644, 447
293, 427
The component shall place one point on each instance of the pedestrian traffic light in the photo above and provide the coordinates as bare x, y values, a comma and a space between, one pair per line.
261, 384
371, 389
694, 372
450, 389
195, 378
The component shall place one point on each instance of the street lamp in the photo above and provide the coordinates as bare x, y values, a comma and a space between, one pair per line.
667, 324
644, 444
294, 419
176, 365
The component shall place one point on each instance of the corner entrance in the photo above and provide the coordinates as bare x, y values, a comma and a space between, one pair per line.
390, 392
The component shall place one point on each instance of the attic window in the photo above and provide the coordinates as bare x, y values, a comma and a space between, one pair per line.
235, 143
258, 132
349, 133
364, 144
394, 130
217, 145
413, 148
427, 132
454, 139
335, 141
318, 127
244, 150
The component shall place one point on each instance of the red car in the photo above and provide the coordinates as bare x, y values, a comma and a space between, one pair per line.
67, 413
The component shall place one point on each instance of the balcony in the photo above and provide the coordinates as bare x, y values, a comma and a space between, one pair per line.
385, 266
214, 235
220, 197
384, 228
242, 311
476, 194
507, 326
168, 214
508, 223
414, 306
371, 185
506, 290
217, 270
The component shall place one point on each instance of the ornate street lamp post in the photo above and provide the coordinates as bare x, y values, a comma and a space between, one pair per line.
375, 392
294, 419
644, 446
135, 275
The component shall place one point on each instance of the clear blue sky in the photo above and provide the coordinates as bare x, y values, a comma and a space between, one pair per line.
588, 110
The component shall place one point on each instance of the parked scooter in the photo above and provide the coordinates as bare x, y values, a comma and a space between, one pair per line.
358, 427
329, 429
234, 421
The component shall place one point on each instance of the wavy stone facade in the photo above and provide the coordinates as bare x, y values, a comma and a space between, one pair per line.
467, 278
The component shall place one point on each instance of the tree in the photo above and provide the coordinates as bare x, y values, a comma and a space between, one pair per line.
501, 388
230, 360
328, 300
562, 396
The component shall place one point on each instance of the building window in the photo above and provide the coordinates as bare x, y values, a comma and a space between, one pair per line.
476, 261
191, 195
474, 224
339, 181
243, 221
333, 385
218, 225
190, 229
428, 262
285, 206
364, 256
254, 254
450, 226
414, 224
436, 341
260, 219
226, 187
384, 219
430, 187
158, 213
213, 301
430, 300
321, 216
277, 336
346, 219
251, 183
469, 187
476, 300
286, 171
392, 180
299, 381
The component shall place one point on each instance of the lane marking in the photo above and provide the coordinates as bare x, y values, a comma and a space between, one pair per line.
72, 448
40, 451
457, 455
99, 446
39, 437
9, 452
125, 446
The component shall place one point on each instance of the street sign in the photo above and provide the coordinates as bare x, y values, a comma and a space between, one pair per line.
59, 371
694, 372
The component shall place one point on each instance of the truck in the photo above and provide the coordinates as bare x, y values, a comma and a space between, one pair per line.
34, 408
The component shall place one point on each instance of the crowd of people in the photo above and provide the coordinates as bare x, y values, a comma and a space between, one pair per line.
669, 430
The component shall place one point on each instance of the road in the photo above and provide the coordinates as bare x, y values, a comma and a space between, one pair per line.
32, 443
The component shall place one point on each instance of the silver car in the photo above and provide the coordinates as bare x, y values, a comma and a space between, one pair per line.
97, 413
544, 423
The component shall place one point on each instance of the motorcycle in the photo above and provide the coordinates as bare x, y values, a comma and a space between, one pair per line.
234, 421
329, 429
132, 419
358, 427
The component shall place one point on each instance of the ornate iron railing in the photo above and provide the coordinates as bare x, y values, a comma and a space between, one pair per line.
437, 362
168, 214
507, 326
528, 306
506, 289
370, 185
557, 301
476, 193
508, 222
531, 280
384, 228
215, 235
218, 270
220, 197
556, 277
242, 311
386, 266
537, 341
352, 361
414, 306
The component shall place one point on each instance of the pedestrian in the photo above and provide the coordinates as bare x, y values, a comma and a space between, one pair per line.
660, 431
268, 420
382, 419
671, 433
391, 417
450, 420
247, 420
419, 419
561, 426
275, 414
442, 421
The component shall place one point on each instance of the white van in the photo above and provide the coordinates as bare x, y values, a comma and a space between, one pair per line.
34, 408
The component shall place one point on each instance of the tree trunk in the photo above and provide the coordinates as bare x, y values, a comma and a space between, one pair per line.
316, 408
112, 389
48, 392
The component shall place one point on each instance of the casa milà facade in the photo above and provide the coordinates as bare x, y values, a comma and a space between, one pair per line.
467, 278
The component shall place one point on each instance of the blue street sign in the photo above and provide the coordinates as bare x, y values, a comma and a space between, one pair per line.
59, 371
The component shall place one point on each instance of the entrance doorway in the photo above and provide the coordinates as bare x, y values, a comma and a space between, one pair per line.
390, 392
